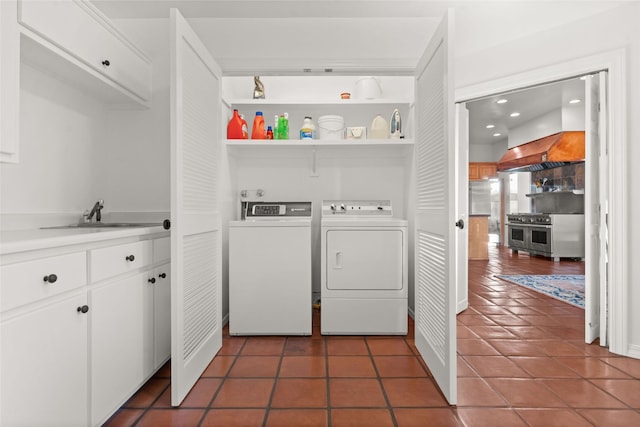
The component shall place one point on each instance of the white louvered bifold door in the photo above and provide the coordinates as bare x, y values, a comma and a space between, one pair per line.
596, 204
435, 278
196, 318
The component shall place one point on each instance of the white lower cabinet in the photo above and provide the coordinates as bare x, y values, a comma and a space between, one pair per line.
129, 332
117, 343
162, 314
44, 366
81, 331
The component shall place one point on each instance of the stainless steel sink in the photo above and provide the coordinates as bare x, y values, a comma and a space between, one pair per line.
108, 225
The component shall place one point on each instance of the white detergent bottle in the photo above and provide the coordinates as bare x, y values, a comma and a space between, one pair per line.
379, 128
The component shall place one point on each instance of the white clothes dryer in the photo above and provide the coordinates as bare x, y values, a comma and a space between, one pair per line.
364, 269
270, 269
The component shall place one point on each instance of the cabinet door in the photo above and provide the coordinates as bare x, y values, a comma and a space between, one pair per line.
473, 171
487, 170
81, 30
478, 237
162, 314
44, 366
117, 343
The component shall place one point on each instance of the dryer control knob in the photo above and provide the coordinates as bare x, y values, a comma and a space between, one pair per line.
343, 207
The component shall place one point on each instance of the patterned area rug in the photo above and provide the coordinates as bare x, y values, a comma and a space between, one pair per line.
567, 288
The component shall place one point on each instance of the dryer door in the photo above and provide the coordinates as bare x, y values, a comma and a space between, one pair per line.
364, 259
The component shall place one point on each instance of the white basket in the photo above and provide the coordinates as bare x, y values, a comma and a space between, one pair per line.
330, 127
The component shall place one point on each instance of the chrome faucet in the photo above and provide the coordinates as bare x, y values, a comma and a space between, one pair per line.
96, 210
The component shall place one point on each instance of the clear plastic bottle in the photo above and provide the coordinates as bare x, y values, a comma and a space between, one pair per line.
285, 132
276, 134
282, 131
257, 132
308, 129
245, 128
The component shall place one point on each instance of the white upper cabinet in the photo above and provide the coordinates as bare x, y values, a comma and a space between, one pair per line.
9, 82
80, 34
74, 42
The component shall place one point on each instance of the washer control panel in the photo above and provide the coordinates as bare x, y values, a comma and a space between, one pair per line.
357, 208
275, 210
268, 210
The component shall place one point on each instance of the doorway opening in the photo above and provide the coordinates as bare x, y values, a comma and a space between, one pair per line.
499, 122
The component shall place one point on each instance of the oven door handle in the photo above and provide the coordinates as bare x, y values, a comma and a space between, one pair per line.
529, 225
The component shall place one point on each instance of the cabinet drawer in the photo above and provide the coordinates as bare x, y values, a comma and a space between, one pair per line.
81, 30
115, 260
161, 249
30, 281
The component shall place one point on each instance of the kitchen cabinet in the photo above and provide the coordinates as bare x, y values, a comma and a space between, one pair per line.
478, 237
130, 322
482, 170
161, 301
79, 30
118, 314
162, 315
32, 281
111, 261
44, 348
9, 82
74, 42
85, 322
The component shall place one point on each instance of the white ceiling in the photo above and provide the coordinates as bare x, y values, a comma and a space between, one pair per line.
348, 36
530, 103
357, 36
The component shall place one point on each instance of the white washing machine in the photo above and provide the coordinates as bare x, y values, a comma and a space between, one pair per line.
270, 269
364, 269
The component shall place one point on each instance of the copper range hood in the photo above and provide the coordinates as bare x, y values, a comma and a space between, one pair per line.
549, 152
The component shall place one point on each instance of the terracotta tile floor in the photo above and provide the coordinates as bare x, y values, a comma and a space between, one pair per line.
521, 362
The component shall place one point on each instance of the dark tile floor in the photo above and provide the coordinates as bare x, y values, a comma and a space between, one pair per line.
521, 362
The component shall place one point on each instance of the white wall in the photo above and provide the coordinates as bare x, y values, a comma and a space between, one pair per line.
60, 127
361, 173
134, 171
573, 117
487, 152
617, 28
536, 128
560, 119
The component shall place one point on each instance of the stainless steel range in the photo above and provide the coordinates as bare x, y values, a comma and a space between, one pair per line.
552, 235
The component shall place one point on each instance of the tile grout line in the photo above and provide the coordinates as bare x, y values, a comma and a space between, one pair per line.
276, 378
384, 391
208, 408
328, 381
148, 408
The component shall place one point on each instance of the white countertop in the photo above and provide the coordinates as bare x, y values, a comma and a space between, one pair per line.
12, 241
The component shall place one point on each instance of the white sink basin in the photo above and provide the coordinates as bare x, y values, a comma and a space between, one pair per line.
108, 225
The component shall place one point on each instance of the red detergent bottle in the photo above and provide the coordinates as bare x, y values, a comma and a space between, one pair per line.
257, 131
234, 127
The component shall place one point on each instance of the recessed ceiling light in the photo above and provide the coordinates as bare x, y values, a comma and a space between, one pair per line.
497, 134
490, 126
575, 101
516, 114
501, 101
